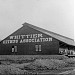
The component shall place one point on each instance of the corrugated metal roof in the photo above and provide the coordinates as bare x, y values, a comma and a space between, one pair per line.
64, 39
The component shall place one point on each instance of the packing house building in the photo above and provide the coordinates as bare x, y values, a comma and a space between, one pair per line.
32, 40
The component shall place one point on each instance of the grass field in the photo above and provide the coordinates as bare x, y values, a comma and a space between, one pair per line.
23, 57
36, 65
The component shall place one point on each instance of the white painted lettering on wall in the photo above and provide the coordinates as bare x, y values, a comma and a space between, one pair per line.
26, 36
10, 41
27, 39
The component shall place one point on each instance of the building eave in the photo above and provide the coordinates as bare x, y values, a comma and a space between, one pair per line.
64, 39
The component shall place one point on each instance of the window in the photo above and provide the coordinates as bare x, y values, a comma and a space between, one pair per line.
14, 48
38, 47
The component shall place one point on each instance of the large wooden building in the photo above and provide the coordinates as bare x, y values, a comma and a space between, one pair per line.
32, 40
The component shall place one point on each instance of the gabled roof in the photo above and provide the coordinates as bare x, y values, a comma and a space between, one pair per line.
64, 39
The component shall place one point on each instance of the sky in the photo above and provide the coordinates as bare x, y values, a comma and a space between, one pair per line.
53, 15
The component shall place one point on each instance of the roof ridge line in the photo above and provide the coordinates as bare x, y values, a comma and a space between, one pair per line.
46, 30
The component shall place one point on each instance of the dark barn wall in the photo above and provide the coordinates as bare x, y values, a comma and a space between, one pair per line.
50, 47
